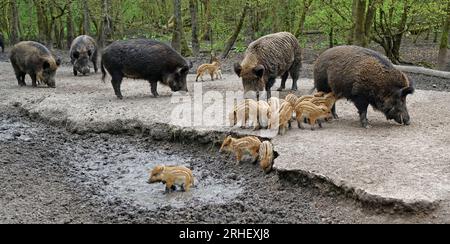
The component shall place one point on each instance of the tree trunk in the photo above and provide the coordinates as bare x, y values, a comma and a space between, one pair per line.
86, 18
443, 48
351, 35
70, 29
301, 24
233, 38
370, 15
105, 29
14, 23
176, 37
359, 34
207, 30
193, 7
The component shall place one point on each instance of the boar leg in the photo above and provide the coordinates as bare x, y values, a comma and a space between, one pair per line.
362, 105
116, 81
33, 80
333, 110
269, 85
75, 72
283, 81
21, 78
154, 88
94, 61
295, 74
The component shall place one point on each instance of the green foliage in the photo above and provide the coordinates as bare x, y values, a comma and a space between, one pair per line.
151, 19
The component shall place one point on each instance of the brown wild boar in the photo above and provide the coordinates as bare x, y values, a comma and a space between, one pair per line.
308, 111
240, 147
266, 59
36, 60
172, 176
366, 78
267, 155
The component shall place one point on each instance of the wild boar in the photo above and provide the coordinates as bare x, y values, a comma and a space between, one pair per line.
83, 49
172, 176
145, 59
240, 147
36, 60
364, 77
266, 59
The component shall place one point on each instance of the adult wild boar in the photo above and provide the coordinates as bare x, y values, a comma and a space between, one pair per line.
145, 59
83, 49
364, 77
36, 60
266, 59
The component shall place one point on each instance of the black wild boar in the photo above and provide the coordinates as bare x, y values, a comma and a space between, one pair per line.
83, 50
266, 59
145, 59
36, 60
364, 77
2, 43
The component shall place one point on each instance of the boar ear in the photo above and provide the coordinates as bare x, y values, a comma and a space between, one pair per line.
238, 69
407, 91
259, 71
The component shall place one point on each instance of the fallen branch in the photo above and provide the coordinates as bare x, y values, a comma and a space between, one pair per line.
424, 71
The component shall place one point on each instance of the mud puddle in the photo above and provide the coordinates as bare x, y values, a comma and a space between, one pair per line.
119, 170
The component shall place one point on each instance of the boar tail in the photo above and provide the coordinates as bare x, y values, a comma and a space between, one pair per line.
103, 71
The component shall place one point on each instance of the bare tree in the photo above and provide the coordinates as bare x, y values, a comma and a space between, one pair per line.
443, 48
106, 26
237, 30
303, 13
14, 22
86, 18
176, 37
70, 28
193, 7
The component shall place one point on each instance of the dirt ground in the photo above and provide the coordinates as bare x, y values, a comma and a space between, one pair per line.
52, 176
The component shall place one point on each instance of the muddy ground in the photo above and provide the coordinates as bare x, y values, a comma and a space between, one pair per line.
51, 176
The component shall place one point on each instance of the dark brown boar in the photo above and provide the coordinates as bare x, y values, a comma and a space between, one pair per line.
266, 59
36, 60
83, 49
364, 77
145, 59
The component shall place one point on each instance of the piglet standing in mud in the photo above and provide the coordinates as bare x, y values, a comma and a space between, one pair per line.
36, 60
83, 49
172, 176
266, 59
145, 59
366, 78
